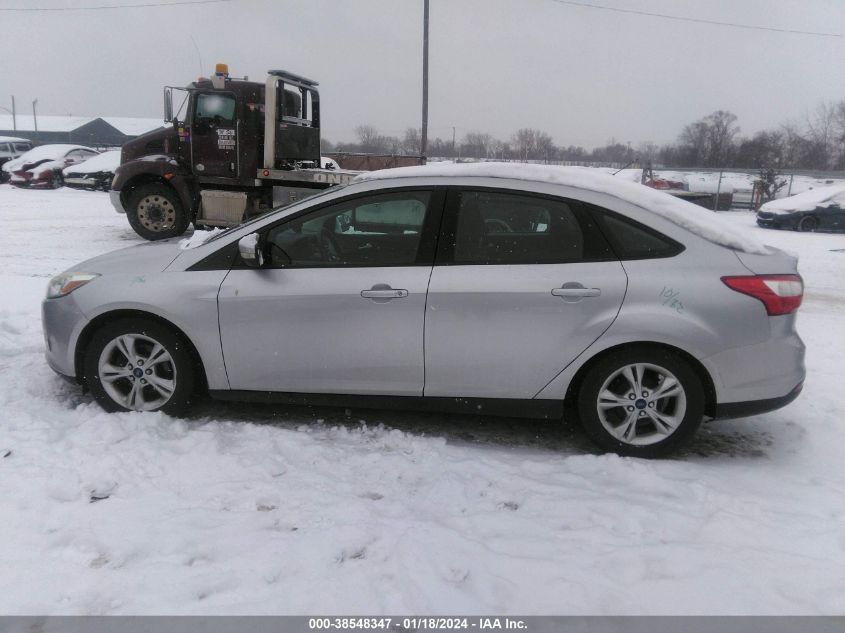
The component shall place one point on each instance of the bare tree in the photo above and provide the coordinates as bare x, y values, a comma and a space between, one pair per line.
477, 145
412, 142
529, 144
709, 142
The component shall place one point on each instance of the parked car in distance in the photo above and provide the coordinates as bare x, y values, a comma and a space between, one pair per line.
821, 209
11, 147
489, 288
43, 165
94, 173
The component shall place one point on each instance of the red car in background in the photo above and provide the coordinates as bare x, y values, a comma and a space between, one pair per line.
43, 165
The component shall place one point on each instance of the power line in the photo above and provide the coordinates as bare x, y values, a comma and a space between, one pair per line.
114, 6
680, 18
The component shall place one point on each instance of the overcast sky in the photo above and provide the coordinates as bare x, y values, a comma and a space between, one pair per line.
583, 75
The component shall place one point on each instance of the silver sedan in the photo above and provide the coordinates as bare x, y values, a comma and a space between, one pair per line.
455, 290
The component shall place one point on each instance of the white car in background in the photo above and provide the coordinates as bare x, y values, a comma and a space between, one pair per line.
94, 173
11, 147
43, 165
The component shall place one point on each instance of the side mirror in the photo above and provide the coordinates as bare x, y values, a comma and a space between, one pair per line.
250, 251
168, 105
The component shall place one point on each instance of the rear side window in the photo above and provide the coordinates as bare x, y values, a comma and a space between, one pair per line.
507, 228
632, 240
22, 147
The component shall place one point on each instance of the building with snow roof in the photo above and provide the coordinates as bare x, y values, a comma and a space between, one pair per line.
79, 130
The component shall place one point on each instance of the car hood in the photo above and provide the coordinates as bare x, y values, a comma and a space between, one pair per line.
151, 257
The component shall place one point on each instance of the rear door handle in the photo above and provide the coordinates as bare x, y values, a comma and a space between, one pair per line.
384, 292
574, 291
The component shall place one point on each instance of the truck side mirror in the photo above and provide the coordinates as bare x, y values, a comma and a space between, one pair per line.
168, 105
250, 251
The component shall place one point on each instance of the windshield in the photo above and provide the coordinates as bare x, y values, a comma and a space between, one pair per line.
332, 189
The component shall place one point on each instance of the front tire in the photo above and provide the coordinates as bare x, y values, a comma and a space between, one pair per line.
641, 401
156, 213
57, 181
139, 365
807, 224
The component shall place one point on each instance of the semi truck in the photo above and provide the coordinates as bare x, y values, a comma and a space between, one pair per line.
232, 149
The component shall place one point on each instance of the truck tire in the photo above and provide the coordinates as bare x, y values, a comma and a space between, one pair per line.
156, 213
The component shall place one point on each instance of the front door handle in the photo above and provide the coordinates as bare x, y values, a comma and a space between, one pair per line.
383, 292
573, 291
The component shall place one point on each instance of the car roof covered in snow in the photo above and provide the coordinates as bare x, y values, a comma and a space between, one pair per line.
13, 139
808, 200
691, 217
107, 161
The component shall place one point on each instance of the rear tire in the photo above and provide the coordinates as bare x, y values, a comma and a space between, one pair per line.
807, 224
139, 365
641, 401
155, 212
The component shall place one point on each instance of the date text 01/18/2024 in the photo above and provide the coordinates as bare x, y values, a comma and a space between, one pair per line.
417, 623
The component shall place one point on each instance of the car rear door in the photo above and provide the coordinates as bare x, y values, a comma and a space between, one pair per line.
521, 286
341, 305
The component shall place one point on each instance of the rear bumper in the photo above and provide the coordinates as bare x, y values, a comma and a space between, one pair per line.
756, 407
761, 372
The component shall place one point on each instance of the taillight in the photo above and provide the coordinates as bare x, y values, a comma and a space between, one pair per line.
781, 294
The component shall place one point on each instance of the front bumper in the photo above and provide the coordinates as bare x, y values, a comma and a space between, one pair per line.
114, 197
63, 322
81, 182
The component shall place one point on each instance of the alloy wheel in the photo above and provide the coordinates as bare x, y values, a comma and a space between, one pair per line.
137, 372
641, 404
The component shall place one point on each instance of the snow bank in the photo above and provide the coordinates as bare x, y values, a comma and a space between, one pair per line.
686, 215
253, 510
809, 200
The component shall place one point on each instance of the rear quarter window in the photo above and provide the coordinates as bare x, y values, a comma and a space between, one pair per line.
632, 240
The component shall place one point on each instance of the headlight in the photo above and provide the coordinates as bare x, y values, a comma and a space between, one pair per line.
63, 284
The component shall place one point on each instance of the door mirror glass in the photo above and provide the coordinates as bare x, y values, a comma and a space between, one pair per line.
168, 105
250, 251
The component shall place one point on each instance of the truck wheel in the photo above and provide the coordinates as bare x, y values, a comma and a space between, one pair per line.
155, 212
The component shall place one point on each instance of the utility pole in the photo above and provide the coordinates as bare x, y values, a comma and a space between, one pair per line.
35, 118
424, 139
453, 141
14, 118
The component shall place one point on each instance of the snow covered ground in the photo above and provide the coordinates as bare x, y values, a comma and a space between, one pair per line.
255, 509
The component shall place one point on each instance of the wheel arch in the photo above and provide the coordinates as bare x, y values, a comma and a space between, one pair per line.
710, 398
99, 321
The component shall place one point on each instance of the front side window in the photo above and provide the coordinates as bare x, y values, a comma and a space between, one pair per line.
507, 228
215, 108
383, 230
5, 150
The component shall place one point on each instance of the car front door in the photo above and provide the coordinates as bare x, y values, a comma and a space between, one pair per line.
521, 286
340, 304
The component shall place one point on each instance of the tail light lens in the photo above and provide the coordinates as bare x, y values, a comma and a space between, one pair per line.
781, 294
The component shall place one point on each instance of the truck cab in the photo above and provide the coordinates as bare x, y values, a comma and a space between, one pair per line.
235, 149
